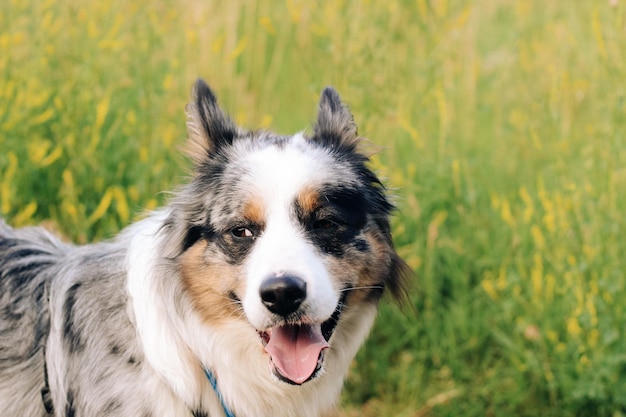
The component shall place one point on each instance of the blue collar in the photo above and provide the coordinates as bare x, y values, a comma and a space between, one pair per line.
211, 377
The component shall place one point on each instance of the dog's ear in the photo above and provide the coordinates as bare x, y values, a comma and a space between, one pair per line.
208, 127
335, 124
398, 279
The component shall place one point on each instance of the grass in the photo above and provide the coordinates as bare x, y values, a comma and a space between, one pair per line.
503, 129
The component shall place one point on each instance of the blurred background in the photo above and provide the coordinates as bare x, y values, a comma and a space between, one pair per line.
502, 133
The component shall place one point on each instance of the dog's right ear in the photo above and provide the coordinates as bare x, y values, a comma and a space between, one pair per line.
208, 126
335, 125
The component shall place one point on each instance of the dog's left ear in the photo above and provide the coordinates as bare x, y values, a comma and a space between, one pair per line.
208, 127
335, 124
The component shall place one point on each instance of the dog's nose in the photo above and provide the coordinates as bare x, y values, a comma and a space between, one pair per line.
283, 294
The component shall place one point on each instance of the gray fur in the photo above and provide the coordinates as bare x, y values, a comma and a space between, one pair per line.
92, 352
25, 260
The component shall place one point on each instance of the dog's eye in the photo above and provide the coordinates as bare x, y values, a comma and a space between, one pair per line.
242, 233
325, 225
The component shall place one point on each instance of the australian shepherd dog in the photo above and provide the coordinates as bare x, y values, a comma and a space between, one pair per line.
248, 295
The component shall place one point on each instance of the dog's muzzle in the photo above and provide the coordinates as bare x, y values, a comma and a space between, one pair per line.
297, 346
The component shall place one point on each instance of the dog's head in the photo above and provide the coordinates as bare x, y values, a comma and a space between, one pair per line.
285, 233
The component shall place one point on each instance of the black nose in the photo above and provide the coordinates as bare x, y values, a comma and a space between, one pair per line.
283, 294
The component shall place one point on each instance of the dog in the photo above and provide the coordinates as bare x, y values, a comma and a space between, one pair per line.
249, 294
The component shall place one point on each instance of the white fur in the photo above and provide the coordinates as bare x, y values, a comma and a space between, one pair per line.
155, 321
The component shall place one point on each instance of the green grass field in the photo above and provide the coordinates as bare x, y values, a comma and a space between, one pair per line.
502, 128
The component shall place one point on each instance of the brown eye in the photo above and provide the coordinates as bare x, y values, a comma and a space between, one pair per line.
242, 233
324, 224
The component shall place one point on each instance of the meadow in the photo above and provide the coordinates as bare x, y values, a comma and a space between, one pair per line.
501, 128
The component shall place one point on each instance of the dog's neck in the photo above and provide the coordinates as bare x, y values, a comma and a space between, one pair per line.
213, 380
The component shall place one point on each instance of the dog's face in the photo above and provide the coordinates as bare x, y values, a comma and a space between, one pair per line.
282, 232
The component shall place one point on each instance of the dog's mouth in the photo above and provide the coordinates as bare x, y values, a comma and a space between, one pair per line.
297, 351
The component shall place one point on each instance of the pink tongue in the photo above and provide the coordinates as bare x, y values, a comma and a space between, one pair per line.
295, 350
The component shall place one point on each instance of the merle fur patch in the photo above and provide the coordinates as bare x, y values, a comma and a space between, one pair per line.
71, 329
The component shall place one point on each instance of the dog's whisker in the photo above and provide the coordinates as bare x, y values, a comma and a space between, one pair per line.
364, 287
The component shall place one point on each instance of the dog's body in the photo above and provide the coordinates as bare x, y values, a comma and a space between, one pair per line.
264, 271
